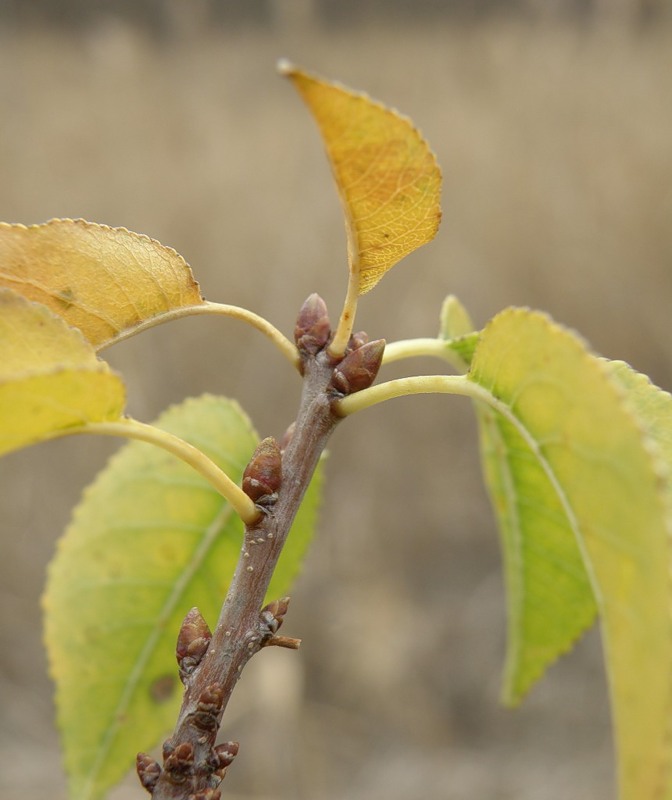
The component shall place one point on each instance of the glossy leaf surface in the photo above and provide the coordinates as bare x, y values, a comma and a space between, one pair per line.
50, 377
150, 540
104, 281
564, 414
387, 176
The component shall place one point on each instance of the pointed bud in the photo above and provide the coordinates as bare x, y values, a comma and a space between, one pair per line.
313, 328
192, 643
148, 771
263, 475
180, 763
358, 369
272, 615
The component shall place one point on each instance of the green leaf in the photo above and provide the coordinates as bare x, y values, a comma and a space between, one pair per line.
549, 597
104, 281
455, 319
458, 331
609, 479
50, 378
149, 540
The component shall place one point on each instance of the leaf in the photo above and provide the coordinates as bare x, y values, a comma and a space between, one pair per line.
387, 176
455, 319
458, 331
104, 281
612, 485
150, 540
549, 597
50, 377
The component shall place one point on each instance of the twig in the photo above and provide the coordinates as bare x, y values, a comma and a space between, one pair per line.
193, 767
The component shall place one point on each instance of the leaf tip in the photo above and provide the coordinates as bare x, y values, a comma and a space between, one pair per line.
285, 67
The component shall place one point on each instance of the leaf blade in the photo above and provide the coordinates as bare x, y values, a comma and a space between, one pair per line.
50, 378
387, 177
104, 281
616, 496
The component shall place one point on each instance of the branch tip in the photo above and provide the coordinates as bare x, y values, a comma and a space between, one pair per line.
312, 329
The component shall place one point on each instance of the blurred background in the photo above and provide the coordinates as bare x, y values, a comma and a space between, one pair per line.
552, 120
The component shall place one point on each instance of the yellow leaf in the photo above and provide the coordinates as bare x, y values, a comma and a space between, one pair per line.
386, 174
50, 378
104, 281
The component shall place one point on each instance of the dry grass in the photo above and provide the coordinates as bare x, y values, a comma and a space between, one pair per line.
557, 151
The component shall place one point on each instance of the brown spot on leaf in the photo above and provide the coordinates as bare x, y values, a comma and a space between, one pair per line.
163, 688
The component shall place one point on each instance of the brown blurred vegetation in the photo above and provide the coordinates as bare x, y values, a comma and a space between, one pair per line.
554, 129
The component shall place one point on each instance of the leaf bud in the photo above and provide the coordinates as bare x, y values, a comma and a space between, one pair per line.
223, 755
148, 771
180, 762
272, 615
263, 475
357, 340
192, 643
358, 369
209, 706
312, 329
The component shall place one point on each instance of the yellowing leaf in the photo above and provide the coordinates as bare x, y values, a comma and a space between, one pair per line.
104, 281
566, 414
386, 174
150, 539
50, 377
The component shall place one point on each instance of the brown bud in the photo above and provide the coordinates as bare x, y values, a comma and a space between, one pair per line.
313, 328
223, 755
263, 475
209, 707
192, 643
357, 340
206, 794
180, 762
273, 615
358, 369
148, 771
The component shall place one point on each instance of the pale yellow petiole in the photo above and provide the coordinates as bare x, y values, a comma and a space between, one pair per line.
132, 429
413, 348
347, 319
416, 384
283, 344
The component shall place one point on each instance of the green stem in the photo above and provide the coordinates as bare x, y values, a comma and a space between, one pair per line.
132, 429
411, 348
283, 344
416, 384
